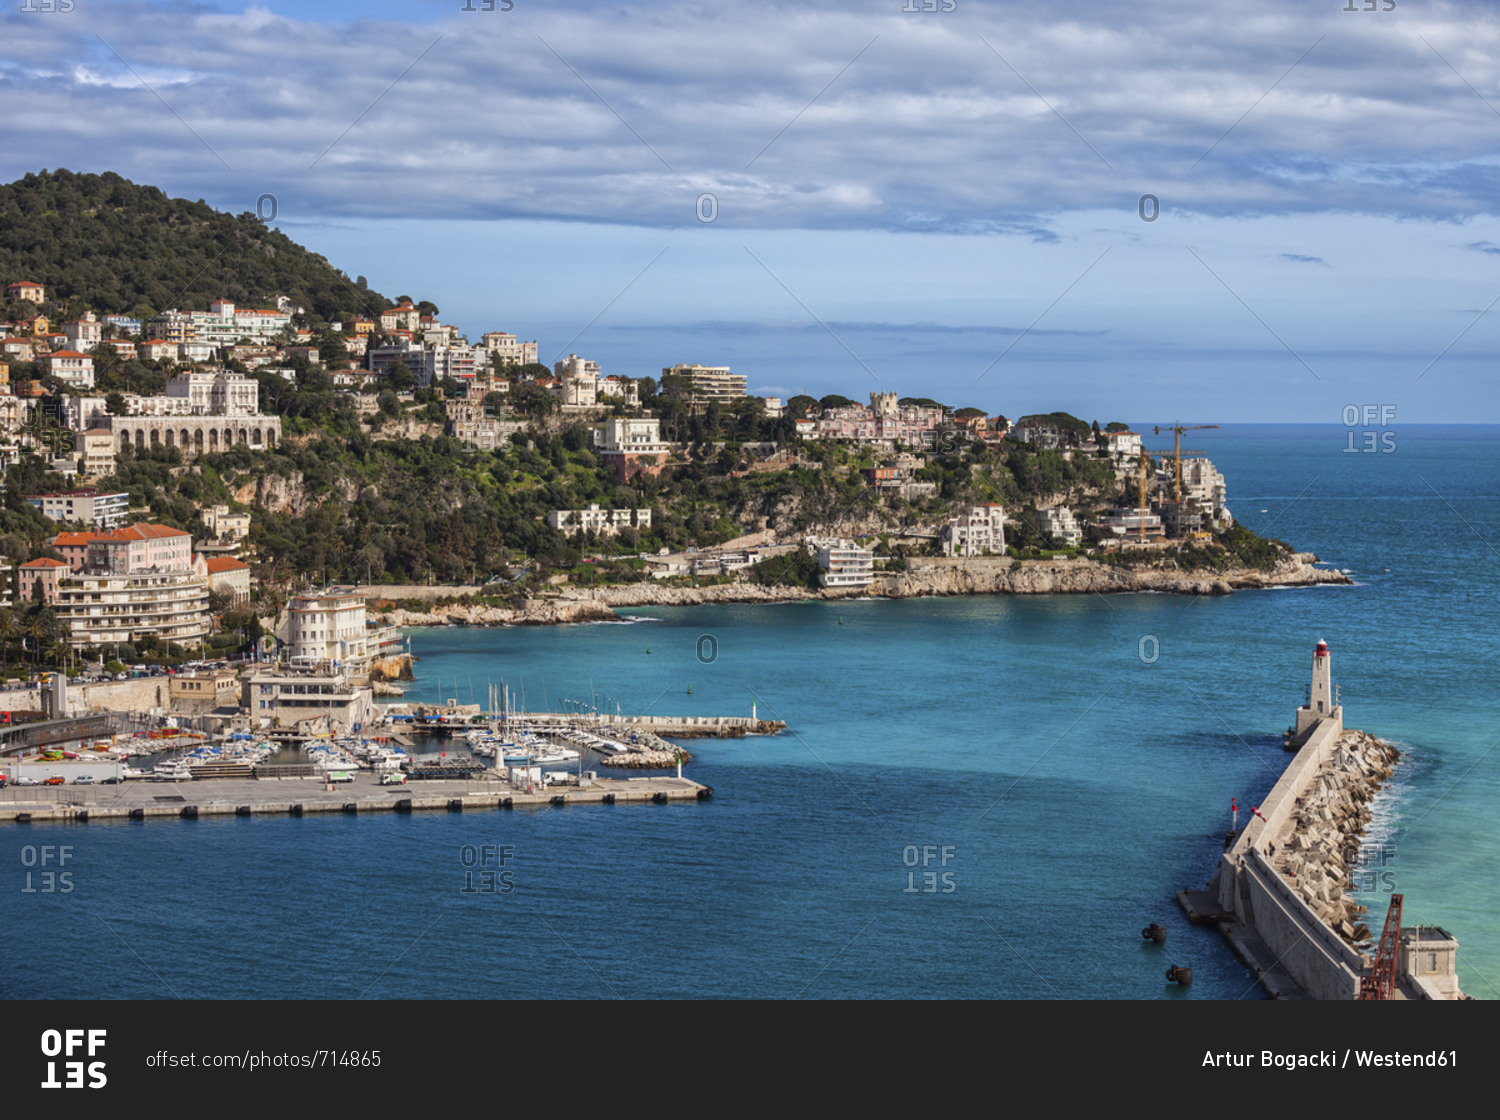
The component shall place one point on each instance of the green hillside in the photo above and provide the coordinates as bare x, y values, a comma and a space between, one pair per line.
102, 242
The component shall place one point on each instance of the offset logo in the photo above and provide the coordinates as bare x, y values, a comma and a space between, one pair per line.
67, 1044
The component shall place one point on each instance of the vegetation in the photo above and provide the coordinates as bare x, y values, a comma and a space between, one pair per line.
102, 242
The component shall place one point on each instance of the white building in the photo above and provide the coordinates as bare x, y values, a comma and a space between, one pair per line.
511, 350
979, 532
99, 607
632, 446
1202, 483
1126, 521
72, 367
577, 380
308, 702
84, 333
92, 507
1060, 524
1124, 447
223, 324
604, 522
709, 383
842, 563
326, 629
214, 393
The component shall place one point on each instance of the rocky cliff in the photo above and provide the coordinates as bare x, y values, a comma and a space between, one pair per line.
979, 576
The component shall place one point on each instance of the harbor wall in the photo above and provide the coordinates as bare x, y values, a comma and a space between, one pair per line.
139, 694
1321, 962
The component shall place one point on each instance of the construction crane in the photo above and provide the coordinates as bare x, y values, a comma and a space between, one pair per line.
1140, 527
1177, 430
1381, 983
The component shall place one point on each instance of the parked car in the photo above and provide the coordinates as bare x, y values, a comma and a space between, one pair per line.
55, 781
27, 782
84, 780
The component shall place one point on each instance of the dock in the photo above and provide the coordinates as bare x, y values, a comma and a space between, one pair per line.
296, 797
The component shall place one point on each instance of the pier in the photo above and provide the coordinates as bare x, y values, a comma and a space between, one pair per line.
297, 797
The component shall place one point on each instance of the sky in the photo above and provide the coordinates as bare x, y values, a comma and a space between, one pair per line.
1206, 212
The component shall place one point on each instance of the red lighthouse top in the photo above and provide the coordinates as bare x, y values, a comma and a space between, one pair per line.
1322, 650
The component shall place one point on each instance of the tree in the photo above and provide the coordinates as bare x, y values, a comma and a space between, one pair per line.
114, 404
399, 377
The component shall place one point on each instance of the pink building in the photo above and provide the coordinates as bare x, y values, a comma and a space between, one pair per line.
140, 547
44, 571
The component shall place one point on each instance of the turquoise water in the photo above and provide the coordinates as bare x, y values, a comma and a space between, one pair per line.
1060, 765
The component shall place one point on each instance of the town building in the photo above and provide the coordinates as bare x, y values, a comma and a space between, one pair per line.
125, 324
603, 522
226, 524
101, 607
201, 411
305, 703
1060, 524
709, 383
230, 576
618, 390
842, 563
223, 324
886, 423
1203, 484
427, 363
197, 693
327, 630
93, 507
1127, 521
577, 381
44, 571
142, 547
96, 453
85, 333
72, 367
1123, 447
26, 289
898, 475
632, 446
508, 349
403, 317
979, 532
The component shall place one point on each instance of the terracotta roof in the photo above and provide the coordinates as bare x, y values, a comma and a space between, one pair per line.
65, 540
226, 564
45, 562
141, 531
68, 354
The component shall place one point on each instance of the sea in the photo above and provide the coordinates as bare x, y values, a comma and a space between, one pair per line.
976, 797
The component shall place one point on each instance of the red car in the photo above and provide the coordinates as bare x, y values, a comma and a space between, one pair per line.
54, 781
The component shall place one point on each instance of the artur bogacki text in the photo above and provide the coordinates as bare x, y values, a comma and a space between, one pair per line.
1328, 1059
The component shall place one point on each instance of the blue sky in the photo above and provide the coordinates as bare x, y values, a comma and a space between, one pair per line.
942, 203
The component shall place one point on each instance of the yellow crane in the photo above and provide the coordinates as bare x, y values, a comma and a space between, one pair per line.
1140, 527
1177, 430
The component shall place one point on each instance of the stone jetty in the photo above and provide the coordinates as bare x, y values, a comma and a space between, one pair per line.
1322, 840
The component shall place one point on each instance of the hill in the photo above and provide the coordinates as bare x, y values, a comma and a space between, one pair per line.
103, 242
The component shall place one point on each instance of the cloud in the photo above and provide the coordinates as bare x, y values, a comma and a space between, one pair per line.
1483, 246
783, 326
792, 116
1299, 258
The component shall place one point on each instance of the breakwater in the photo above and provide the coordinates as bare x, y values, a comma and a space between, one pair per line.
1281, 891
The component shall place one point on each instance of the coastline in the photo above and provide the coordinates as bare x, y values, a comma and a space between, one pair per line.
972, 576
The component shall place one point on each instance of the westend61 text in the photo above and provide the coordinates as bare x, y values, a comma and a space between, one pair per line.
1330, 1059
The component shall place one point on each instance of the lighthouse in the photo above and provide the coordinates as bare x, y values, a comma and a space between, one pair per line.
1320, 700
